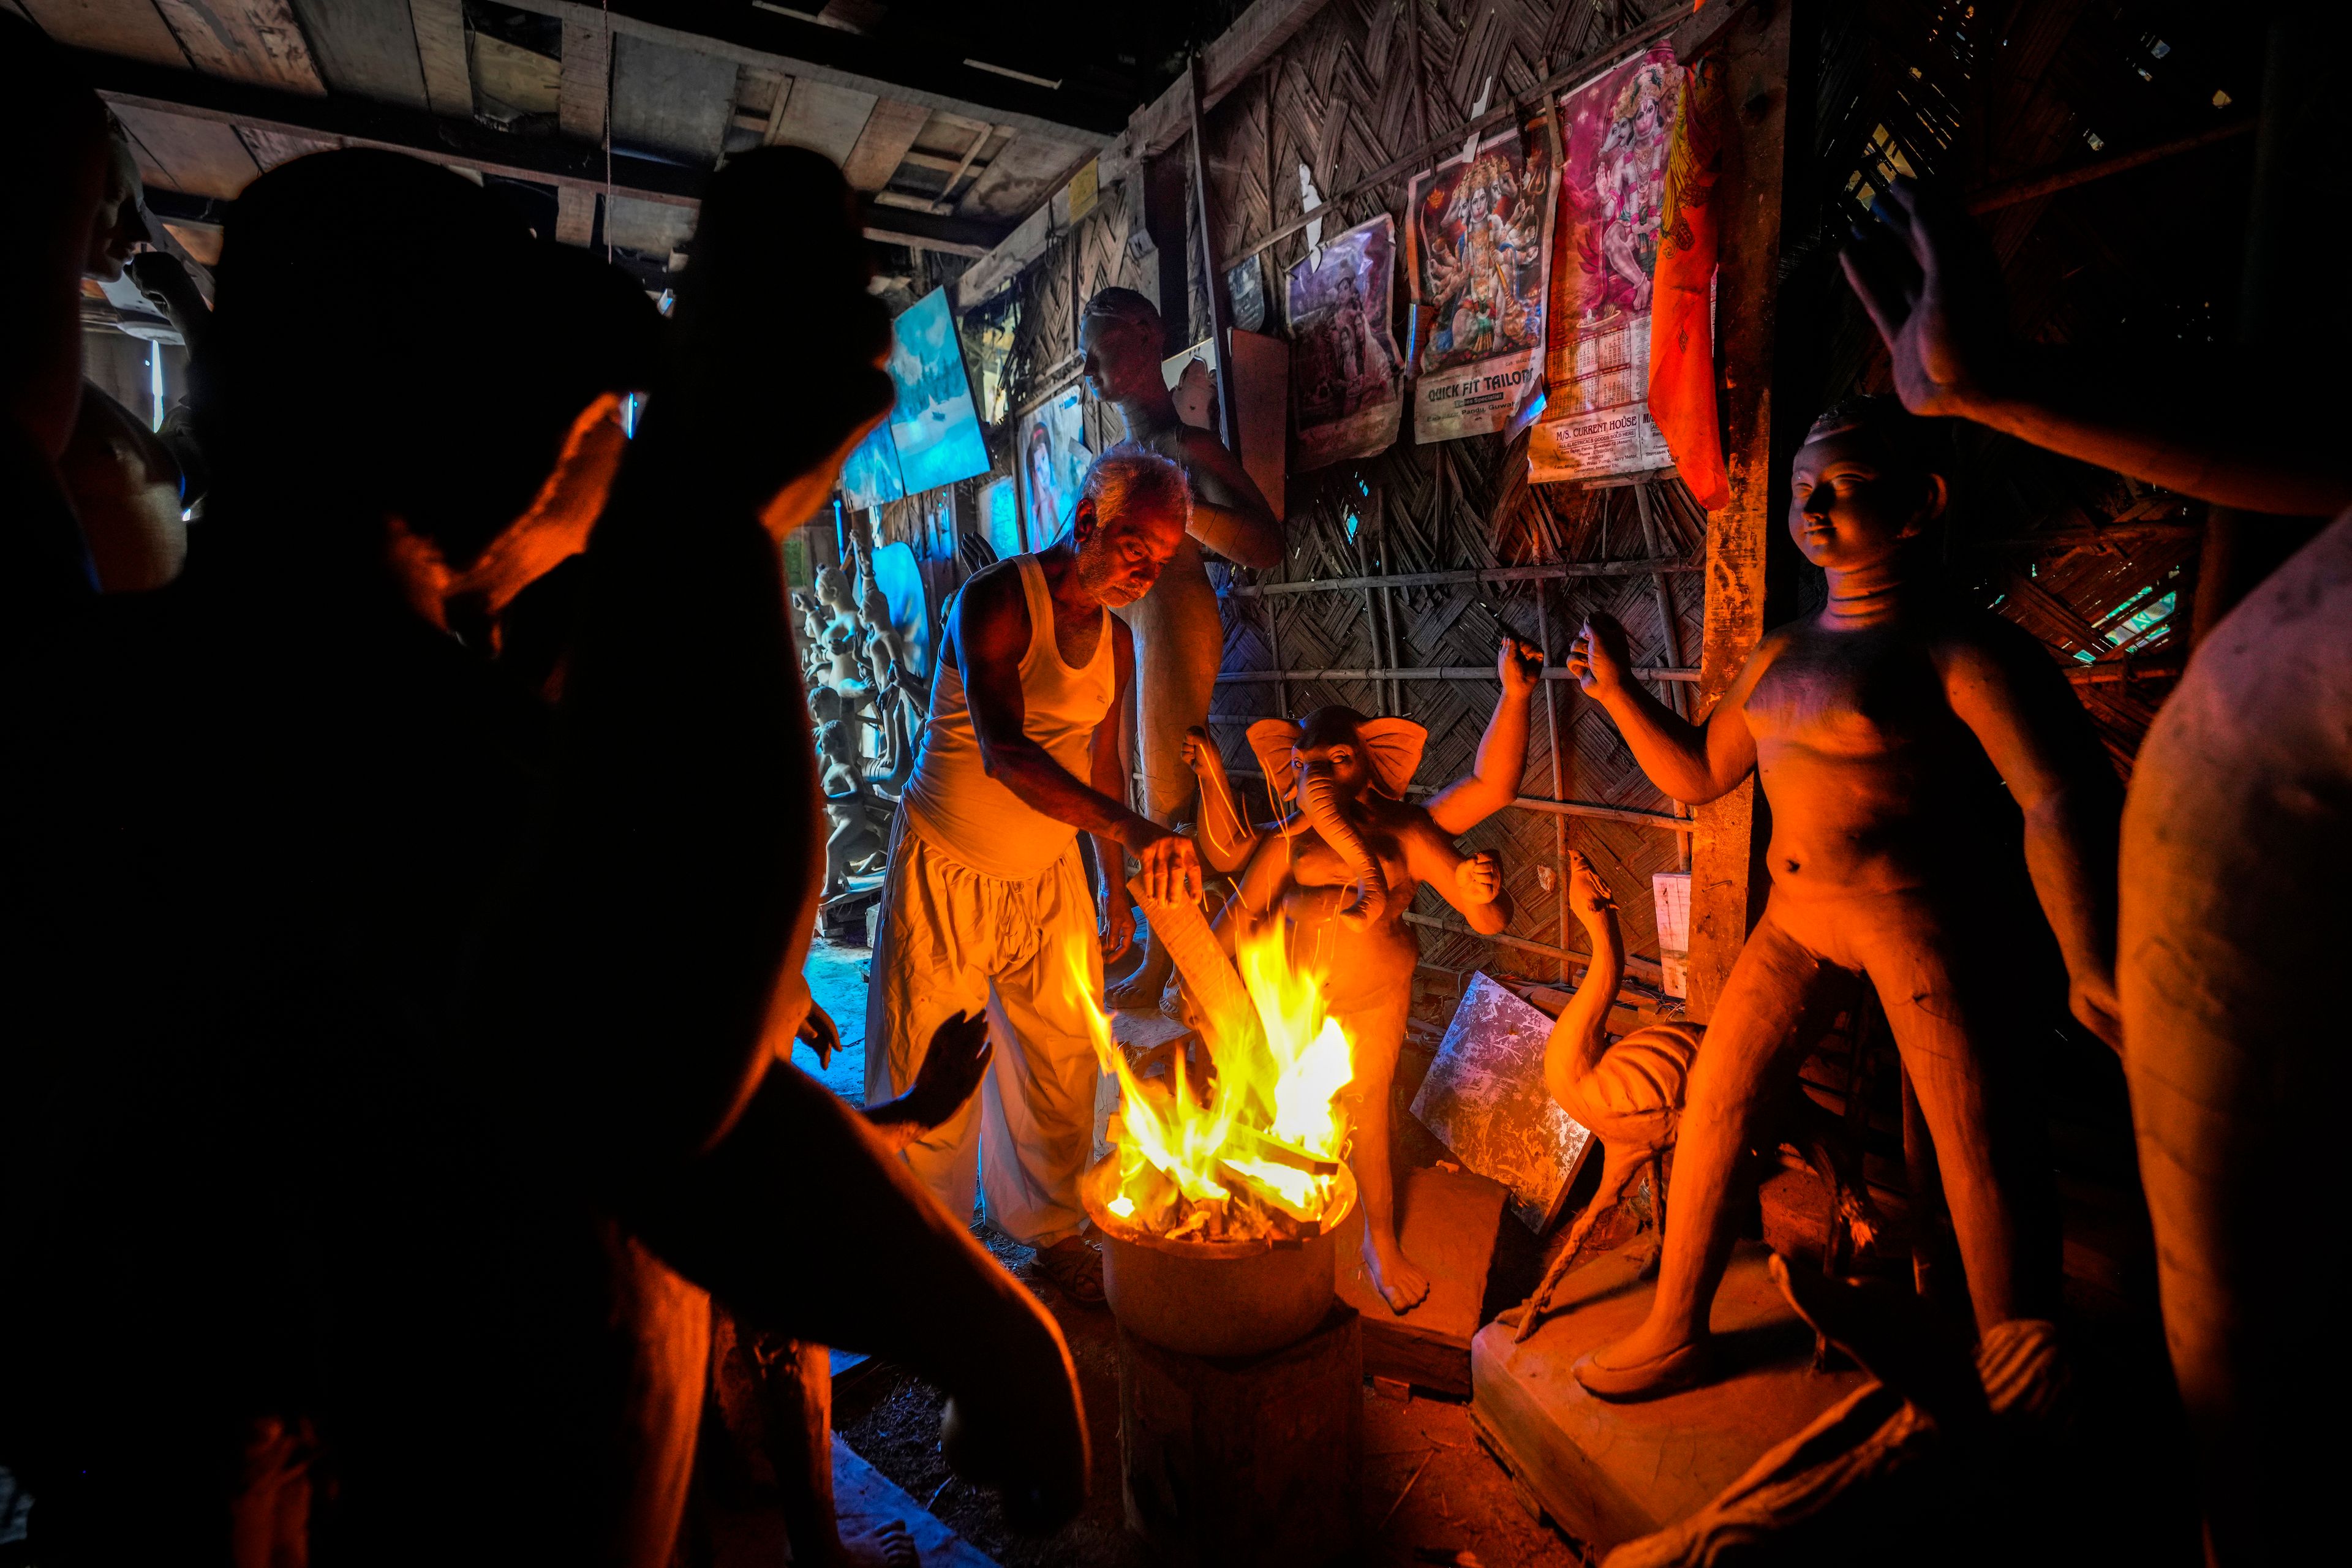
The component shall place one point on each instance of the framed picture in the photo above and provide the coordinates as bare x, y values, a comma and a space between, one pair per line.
1054, 460
934, 424
870, 477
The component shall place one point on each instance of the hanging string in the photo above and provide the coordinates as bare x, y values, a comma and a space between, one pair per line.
604, 8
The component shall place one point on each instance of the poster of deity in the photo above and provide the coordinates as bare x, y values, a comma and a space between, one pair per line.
1054, 460
1614, 132
1479, 238
1343, 358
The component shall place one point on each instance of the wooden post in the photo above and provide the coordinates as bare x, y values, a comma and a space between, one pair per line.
1728, 879
1164, 221
1670, 629
1220, 325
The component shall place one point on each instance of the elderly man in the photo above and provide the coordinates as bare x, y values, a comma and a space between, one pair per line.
987, 903
1180, 637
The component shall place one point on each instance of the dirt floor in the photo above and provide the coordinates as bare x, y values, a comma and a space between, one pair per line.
1431, 1493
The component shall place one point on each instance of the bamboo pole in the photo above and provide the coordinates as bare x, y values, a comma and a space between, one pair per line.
1481, 574
1632, 816
1647, 968
2050, 182
1431, 672
1559, 784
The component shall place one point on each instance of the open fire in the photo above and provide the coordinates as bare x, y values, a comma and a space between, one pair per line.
1253, 1153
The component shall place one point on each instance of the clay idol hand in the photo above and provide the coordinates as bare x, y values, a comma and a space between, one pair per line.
1479, 878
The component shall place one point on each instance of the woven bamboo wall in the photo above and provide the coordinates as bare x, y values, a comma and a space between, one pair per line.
1363, 84
2071, 553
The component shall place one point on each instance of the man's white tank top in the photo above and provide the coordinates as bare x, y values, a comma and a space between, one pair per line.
954, 802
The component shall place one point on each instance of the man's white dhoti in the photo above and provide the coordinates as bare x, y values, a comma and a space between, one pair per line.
951, 939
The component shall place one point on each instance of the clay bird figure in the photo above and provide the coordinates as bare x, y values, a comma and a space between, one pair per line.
1630, 1094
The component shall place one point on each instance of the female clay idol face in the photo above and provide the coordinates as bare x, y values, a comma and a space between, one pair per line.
1851, 503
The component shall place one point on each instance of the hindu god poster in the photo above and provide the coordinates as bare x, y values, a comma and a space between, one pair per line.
1614, 132
1479, 238
1343, 358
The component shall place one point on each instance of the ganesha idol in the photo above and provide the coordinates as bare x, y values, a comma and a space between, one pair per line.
1335, 875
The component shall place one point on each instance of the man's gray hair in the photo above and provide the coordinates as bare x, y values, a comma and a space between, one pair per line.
1129, 476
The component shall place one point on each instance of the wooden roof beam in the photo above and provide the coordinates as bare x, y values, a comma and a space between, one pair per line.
746, 36
558, 161
587, 82
259, 41
440, 28
1236, 52
1248, 44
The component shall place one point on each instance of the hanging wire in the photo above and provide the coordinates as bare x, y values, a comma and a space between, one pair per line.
604, 8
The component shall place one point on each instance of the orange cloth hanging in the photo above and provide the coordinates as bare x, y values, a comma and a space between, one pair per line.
1682, 313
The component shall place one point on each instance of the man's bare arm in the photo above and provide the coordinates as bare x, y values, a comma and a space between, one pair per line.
1109, 772
1494, 781
1229, 512
2024, 713
1695, 763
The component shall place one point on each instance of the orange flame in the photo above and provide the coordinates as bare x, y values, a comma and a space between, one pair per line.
1265, 1138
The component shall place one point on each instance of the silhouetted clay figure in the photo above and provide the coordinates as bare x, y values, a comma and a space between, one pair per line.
1338, 877
429, 1075
1882, 730
842, 639
773, 1394
59, 128
1629, 1095
2235, 837
1180, 637
902, 698
859, 822
126, 484
987, 900
810, 619
860, 791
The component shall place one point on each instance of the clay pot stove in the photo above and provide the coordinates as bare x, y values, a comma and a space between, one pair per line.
1220, 1207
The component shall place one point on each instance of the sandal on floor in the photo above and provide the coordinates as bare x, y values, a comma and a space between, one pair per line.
1076, 1269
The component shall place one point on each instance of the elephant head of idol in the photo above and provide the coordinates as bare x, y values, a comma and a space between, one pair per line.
1329, 764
